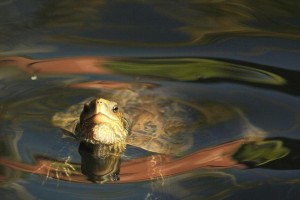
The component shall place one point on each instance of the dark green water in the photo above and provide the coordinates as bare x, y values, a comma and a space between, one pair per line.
208, 56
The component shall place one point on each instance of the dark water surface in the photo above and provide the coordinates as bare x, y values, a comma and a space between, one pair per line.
231, 67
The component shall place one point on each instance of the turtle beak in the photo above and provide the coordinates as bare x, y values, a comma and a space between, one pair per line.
98, 118
92, 110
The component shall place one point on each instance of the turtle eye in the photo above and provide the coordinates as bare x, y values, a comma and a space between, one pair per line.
115, 109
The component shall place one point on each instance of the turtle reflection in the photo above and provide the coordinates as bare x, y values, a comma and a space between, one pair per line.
97, 167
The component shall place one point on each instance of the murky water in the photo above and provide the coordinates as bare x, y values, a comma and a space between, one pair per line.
230, 68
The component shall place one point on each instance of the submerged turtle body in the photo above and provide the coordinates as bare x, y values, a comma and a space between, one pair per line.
142, 119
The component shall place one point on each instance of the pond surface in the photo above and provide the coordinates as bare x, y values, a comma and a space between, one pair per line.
230, 67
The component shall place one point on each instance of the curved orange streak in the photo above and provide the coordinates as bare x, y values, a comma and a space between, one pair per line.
74, 65
143, 169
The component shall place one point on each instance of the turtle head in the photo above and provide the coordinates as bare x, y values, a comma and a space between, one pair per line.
100, 111
102, 122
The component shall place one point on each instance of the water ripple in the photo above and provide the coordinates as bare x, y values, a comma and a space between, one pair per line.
190, 69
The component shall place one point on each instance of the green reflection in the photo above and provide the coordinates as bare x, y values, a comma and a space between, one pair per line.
131, 23
261, 152
206, 20
142, 23
189, 69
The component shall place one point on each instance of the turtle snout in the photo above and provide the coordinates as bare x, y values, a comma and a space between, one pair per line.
99, 101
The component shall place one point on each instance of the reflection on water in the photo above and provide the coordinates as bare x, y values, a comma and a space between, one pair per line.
225, 73
132, 23
98, 168
169, 28
232, 135
189, 69
272, 153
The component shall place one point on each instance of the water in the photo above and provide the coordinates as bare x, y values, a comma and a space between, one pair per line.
231, 66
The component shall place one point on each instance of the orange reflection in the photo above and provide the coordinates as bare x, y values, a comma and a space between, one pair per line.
142, 169
74, 65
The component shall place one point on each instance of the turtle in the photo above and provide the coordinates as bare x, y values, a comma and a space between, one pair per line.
156, 123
